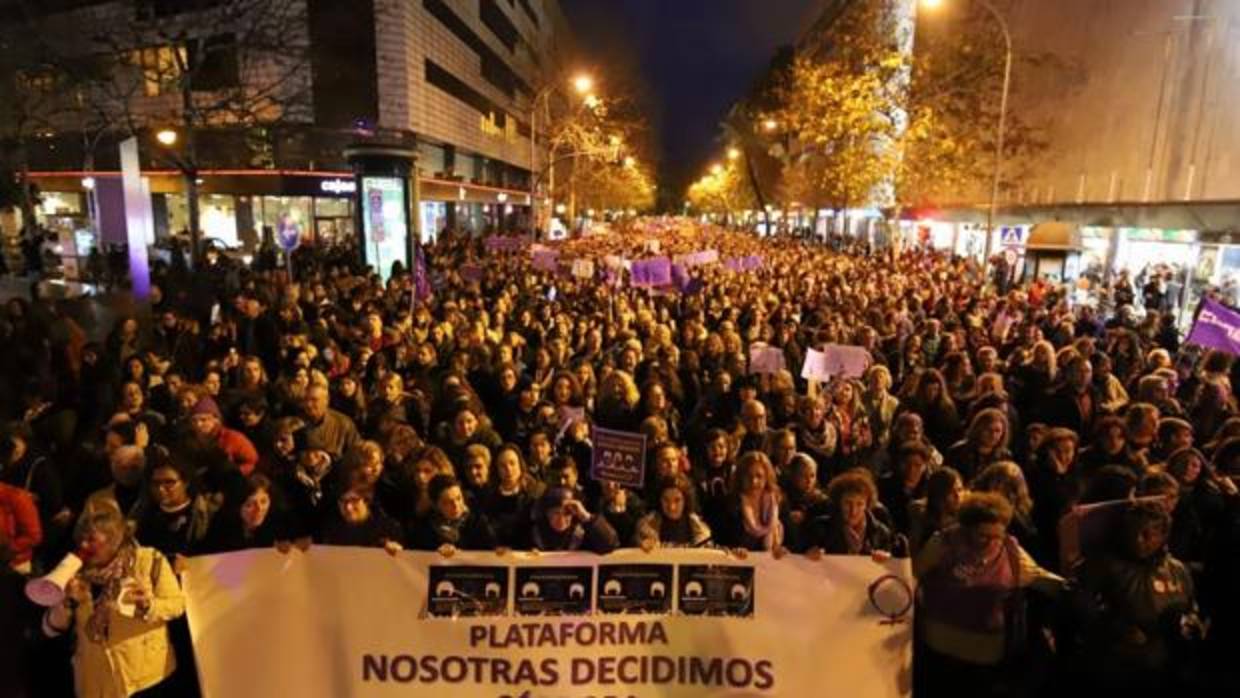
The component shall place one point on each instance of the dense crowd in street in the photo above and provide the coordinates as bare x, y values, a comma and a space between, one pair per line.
245, 410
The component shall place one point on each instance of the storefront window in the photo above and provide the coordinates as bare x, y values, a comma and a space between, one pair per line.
332, 208
55, 203
434, 219
217, 216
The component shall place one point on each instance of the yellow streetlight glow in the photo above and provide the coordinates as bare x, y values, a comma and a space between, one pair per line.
166, 136
716, 169
770, 124
583, 84
733, 153
630, 162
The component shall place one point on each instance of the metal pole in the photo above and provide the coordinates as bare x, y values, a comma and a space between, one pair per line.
534, 167
999, 140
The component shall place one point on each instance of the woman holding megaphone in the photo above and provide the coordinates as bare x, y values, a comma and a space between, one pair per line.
118, 604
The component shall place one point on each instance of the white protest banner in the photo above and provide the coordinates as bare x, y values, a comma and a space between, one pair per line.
673, 624
583, 268
815, 366
846, 361
764, 358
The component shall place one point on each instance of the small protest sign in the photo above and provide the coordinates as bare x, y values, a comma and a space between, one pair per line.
619, 457
764, 358
583, 268
652, 272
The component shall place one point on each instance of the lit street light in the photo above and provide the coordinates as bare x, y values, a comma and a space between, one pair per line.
583, 84
771, 124
716, 169
166, 136
1002, 126
733, 153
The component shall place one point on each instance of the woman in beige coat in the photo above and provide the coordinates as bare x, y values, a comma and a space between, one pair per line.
118, 606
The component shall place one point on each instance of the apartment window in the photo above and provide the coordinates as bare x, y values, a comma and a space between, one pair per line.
214, 64
156, 9
494, 69
499, 24
529, 11
161, 68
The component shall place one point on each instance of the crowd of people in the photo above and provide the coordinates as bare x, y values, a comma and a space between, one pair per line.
245, 409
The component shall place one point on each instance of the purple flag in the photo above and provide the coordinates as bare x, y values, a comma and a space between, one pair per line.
498, 243
652, 272
421, 276
1216, 327
680, 276
546, 260
733, 264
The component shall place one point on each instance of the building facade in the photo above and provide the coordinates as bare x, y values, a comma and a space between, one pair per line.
453, 80
1136, 105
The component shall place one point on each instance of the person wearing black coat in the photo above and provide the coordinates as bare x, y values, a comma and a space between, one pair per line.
306, 492
452, 525
1076, 404
256, 523
562, 523
358, 521
850, 526
258, 334
1137, 607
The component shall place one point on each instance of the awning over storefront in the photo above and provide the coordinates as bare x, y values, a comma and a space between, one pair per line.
1216, 219
1056, 235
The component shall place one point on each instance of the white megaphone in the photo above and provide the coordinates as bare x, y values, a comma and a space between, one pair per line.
49, 590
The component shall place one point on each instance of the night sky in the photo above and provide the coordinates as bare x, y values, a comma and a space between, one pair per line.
691, 59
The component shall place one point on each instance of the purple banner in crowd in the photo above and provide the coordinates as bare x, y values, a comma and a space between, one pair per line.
699, 258
652, 272
496, 243
1216, 327
545, 260
751, 263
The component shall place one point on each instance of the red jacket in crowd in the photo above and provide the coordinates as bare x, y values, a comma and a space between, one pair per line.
239, 449
19, 523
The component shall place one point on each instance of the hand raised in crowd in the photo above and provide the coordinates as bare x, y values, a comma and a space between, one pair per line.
77, 591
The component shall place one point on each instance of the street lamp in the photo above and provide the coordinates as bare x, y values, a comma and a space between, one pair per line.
630, 162
771, 124
166, 137
733, 153
716, 169
582, 83
1002, 126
